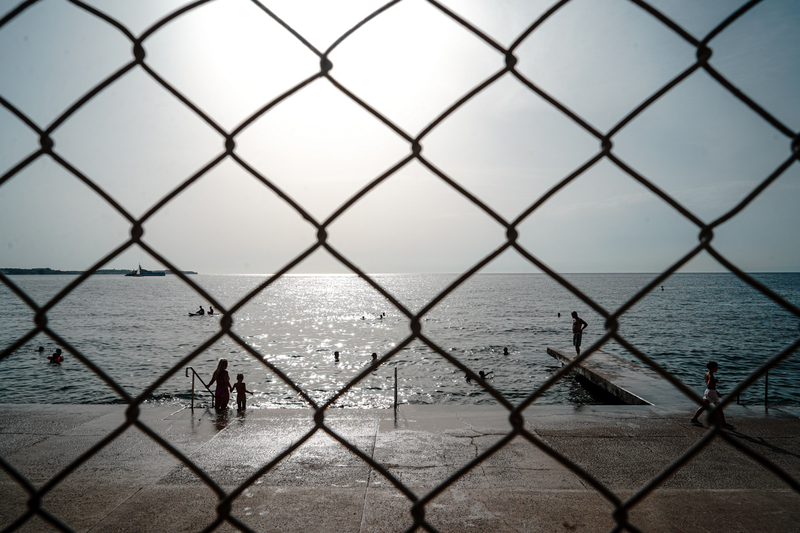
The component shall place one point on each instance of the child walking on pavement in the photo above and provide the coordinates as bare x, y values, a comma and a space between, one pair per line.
710, 396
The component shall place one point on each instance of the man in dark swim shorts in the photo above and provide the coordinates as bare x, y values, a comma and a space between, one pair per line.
578, 325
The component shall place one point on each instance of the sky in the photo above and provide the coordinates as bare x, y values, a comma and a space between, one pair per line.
506, 145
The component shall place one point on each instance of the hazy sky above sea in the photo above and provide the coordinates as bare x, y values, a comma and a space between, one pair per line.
507, 146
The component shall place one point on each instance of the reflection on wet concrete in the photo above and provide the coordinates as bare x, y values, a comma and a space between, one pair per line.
320, 485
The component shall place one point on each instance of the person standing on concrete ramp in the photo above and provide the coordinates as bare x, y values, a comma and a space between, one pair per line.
578, 325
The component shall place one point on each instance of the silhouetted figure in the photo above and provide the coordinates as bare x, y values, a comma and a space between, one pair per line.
56, 358
40, 350
505, 351
578, 325
467, 378
241, 389
710, 396
336, 356
201, 311
559, 315
374, 358
223, 391
483, 374
210, 309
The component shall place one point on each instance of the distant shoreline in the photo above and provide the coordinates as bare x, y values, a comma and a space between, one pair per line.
51, 272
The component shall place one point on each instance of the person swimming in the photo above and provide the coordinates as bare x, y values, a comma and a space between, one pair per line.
56, 358
483, 374
210, 309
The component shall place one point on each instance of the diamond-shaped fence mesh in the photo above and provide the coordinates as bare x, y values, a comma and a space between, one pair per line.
506, 69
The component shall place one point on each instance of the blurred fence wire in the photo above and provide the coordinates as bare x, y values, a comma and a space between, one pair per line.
416, 502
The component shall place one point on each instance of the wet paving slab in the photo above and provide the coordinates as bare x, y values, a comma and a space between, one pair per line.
286, 474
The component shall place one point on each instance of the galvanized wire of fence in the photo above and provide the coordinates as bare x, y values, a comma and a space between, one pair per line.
417, 502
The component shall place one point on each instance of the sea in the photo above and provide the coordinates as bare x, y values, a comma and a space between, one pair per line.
138, 330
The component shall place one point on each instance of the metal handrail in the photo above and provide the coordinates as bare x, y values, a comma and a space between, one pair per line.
213, 397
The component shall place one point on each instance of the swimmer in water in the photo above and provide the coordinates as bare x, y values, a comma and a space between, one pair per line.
505, 351
56, 358
484, 375
467, 378
374, 358
201, 311
210, 309
336, 356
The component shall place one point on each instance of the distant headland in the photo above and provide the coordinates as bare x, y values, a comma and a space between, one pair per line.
51, 272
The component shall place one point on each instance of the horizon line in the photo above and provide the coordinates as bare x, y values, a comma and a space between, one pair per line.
2, 269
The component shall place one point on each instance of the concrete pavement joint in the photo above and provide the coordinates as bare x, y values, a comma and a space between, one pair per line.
112, 511
472, 443
472, 440
369, 477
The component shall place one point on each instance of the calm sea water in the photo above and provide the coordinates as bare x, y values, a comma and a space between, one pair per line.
136, 329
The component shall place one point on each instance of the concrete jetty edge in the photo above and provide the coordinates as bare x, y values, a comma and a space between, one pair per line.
598, 374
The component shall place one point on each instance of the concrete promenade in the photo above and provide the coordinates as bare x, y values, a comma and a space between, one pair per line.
134, 485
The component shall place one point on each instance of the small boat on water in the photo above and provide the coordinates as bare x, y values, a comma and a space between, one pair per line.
140, 273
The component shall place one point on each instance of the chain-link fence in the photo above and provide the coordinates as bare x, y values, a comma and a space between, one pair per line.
605, 140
